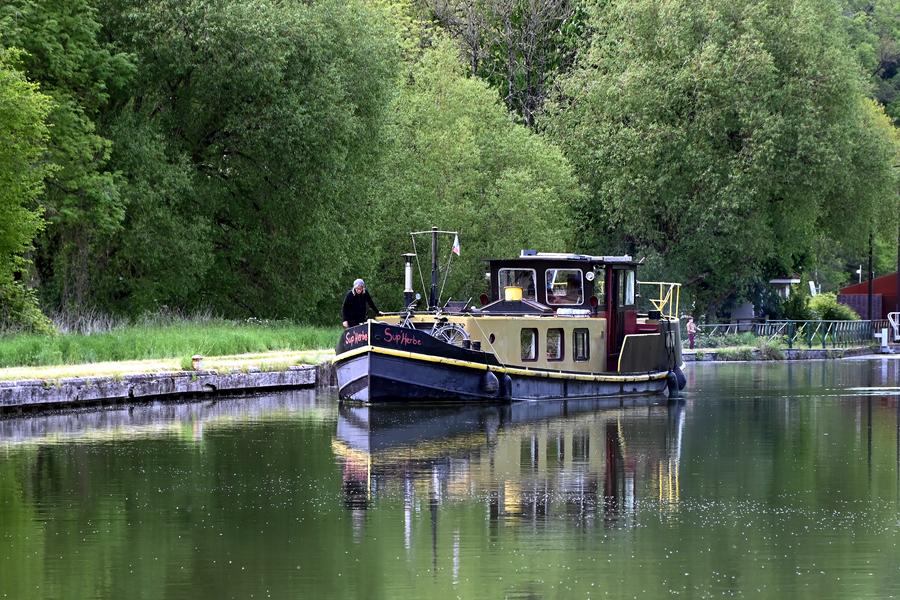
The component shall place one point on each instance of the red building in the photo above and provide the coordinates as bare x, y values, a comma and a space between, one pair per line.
884, 296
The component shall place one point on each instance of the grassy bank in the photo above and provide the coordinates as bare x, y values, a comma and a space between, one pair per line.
213, 337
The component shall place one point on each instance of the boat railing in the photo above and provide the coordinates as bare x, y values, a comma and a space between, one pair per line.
793, 333
663, 296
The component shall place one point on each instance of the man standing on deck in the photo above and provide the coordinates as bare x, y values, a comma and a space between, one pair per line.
353, 312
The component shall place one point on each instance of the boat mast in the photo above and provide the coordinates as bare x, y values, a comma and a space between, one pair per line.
432, 299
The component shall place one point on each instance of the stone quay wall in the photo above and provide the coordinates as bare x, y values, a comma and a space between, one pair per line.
79, 391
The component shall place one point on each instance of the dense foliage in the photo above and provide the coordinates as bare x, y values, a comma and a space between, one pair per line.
874, 30
264, 119
252, 157
519, 46
82, 204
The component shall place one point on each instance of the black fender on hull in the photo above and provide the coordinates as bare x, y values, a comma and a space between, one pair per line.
675, 382
506, 386
682, 380
490, 385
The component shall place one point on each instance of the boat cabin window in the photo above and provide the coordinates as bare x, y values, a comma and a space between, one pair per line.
626, 287
564, 286
600, 284
555, 345
521, 278
529, 344
580, 345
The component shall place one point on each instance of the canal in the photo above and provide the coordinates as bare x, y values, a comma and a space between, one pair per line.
771, 480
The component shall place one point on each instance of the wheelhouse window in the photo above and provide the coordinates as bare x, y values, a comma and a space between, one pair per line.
629, 288
529, 344
626, 287
564, 286
555, 344
521, 278
581, 349
600, 285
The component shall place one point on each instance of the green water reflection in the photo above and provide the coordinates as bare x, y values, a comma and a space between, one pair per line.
770, 480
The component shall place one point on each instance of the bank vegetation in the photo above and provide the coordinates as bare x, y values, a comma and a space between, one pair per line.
251, 158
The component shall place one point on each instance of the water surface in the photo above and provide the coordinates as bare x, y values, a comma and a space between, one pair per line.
770, 480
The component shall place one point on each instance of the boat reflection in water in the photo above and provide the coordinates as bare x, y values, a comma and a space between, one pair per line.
591, 460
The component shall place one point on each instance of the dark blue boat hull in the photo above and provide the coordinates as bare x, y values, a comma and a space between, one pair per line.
373, 367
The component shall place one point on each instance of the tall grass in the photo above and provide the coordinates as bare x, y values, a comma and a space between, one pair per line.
90, 321
162, 337
735, 353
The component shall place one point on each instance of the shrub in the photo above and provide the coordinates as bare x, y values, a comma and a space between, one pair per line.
826, 306
19, 312
796, 307
769, 349
742, 353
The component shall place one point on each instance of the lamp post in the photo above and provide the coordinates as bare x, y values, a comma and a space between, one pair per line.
897, 308
871, 276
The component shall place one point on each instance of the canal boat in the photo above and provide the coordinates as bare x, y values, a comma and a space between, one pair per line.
554, 325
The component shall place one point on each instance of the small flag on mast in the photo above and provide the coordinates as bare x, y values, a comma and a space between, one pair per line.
455, 248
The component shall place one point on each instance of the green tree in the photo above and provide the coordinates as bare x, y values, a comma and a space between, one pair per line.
266, 118
866, 201
874, 30
723, 138
458, 161
518, 46
23, 167
82, 204
164, 249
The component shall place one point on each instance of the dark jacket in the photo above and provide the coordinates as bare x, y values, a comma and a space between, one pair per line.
354, 309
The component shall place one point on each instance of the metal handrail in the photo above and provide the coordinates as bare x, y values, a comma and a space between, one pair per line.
894, 322
833, 333
668, 297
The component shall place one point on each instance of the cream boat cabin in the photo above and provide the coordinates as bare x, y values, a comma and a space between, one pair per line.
553, 326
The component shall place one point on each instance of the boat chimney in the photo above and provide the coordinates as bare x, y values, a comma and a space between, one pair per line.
408, 296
